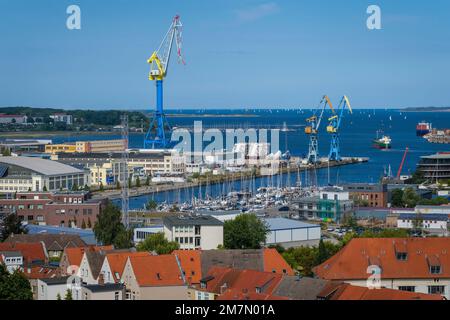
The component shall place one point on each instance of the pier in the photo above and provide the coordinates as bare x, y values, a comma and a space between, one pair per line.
229, 177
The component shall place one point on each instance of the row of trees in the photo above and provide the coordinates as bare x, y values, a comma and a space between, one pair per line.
408, 198
14, 286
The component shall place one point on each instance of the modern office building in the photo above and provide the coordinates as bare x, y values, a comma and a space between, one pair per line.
19, 174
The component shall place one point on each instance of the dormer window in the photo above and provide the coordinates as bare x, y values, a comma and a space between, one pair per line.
402, 256
435, 269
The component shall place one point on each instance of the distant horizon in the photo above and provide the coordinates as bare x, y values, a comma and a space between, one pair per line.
175, 109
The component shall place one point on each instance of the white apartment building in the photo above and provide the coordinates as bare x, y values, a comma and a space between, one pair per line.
194, 232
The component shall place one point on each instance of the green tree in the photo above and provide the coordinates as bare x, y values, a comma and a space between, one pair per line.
11, 225
83, 224
101, 187
89, 223
246, 231
147, 181
117, 185
158, 243
109, 228
138, 182
397, 198
438, 201
410, 198
86, 188
75, 187
6, 152
14, 286
151, 205
68, 295
304, 259
124, 239
45, 189
58, 296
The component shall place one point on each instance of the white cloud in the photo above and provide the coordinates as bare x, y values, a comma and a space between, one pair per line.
257, 12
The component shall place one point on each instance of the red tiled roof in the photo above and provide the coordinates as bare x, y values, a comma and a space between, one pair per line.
237, 295
351, 262
30, 251
118, 260
41, 272
155, 271
245, 281
74, 255
349, 292
273, 261
191, 264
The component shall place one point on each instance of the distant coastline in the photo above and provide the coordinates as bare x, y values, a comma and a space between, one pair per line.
426, 109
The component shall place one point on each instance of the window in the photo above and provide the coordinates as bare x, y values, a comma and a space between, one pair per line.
407, 288
436, 289
435, 269
402, 256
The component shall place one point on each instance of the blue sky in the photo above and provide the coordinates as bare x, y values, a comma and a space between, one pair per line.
245, 53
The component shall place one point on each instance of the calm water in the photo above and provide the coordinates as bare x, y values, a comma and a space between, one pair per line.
357, 131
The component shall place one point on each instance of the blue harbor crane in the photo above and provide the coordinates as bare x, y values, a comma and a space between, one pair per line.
157, 136
333, 128
312, 129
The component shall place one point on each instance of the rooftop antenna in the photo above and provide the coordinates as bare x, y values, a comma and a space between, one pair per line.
125, 156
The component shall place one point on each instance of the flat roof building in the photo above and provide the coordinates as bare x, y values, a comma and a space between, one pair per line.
291, 233
194, 232
19, 174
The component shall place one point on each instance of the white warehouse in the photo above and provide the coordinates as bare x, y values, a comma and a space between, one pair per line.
292, 233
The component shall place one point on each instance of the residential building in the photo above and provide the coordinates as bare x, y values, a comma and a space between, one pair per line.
330, 205
291, 233
114, 264
62, 117
13, 119
154, 278
54, 243
13, 260
369, 194
52, 288
19, 174
55, 208
27, 254
107, 291
435, 167
195, 264
194, 232
90, 266
71, 258
420, 265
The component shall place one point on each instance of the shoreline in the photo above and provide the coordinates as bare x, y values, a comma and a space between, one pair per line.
114, 194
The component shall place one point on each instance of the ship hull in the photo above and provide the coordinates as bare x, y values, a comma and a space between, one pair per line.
380, 145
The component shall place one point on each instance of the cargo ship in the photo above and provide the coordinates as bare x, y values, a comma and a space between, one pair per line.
382, 143
423, 128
